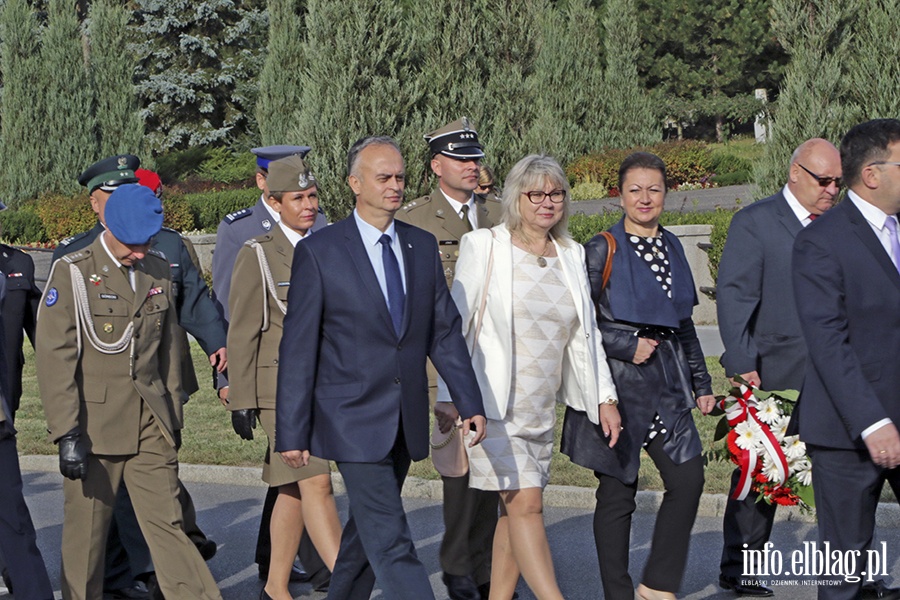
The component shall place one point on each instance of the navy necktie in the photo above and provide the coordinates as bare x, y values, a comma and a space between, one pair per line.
394, 282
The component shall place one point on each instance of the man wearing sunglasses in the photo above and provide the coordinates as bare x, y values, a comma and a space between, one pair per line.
759, 324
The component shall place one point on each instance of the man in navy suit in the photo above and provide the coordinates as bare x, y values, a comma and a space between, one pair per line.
758, 322
847, 289
368, 303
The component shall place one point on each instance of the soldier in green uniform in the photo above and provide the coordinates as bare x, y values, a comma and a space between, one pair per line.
107, 369
257, 305
451, 211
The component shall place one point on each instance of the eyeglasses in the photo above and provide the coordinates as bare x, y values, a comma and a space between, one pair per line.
537, 196
823, 181
883, 162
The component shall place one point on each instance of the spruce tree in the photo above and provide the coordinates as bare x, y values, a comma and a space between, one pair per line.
69, 142
813, 101
360, 80
22, 109
569, 83
629, 118
279, 82
198, 63
120, 128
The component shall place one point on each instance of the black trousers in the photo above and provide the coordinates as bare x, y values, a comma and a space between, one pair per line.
745, 522
470, 519
671, 535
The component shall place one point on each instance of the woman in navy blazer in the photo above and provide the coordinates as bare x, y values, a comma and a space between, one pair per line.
644, 314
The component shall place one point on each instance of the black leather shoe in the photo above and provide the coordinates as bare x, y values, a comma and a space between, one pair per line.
138, 591
744, 587
207, 548
461, 587
321, 580
879, 589
298, 575
485, 590
263, 595
6, 580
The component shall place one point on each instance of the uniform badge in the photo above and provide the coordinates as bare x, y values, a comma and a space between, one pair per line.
52, 297
95, 279
108, 327
15, 275
109, 297
155, 291
284, 283
266, 224
158, 324
448, 272
302, 181
439, 212
105, 269
123, 162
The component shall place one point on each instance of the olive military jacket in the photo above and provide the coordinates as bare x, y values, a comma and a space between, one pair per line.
104, 347
436, 216
257, 304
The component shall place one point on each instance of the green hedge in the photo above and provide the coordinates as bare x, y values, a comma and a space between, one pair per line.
686, 162
23, 225
584, 227
208, 208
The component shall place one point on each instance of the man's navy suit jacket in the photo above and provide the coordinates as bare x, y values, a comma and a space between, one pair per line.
848, 299
346, 381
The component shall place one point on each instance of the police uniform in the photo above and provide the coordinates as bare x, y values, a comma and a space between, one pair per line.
470, 515
18, 540
19, 311
106, 365
235, 229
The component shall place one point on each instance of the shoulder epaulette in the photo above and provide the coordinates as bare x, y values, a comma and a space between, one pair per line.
416, 203
170, 230
76, 256
71, 239
157, 253
238, 215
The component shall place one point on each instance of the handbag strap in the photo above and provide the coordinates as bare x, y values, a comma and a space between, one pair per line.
484, 291
611, 250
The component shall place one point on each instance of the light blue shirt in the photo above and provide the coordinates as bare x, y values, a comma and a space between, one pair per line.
370, 236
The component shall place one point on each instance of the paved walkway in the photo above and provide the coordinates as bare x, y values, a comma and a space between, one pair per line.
229, 508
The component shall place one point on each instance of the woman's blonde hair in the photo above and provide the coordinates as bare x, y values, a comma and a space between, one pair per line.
530, 174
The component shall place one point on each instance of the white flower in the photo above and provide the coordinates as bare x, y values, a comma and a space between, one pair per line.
768, 411
804, 476
799, 464
770, 468
749, 435
793, 447
779, 428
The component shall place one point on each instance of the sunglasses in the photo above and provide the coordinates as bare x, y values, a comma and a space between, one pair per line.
823, 181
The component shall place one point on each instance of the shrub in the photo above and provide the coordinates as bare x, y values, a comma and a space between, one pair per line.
588, 191
177, 214
736, 178
63, 216
208, 208
224, 166
686, 162
22, 226
173, 166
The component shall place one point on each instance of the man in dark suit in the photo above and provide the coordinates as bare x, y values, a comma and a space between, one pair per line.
847, 289
758, 323
451, 211
368, 303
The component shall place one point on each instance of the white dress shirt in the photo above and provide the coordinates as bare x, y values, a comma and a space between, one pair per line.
370, 236
457, 206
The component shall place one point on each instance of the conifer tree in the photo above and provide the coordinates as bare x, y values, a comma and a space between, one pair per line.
628, 116
69, 142
198, 62
569, 83
21, 108
813, 101
360, 80
120, 128
513, 36
279, 82
874, 78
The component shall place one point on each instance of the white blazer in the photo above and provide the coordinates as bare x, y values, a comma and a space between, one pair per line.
586, 380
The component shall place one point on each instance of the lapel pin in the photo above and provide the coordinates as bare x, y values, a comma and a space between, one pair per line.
95, 279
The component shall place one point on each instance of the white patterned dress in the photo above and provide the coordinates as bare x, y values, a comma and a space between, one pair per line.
516, 452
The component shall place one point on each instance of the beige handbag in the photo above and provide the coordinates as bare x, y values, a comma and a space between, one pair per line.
448, 450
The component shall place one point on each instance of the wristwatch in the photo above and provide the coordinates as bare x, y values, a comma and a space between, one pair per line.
611, 402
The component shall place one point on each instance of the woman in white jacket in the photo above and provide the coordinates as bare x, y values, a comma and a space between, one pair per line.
536, 343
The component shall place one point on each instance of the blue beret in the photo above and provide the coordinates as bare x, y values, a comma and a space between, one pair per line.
133, 214
267, 154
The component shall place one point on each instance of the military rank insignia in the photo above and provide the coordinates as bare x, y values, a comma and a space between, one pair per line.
95, 279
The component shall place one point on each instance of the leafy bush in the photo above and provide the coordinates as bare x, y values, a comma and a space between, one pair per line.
736, 178
177, 214
173, 166
63, 216
588, 191
224, 166
22, 226
686, 161
731, 169
208, 208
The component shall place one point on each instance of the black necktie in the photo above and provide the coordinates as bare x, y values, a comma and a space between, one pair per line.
394, 282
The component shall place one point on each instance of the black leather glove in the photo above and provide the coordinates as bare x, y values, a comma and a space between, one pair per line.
244, 422
72, 456
177, 435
